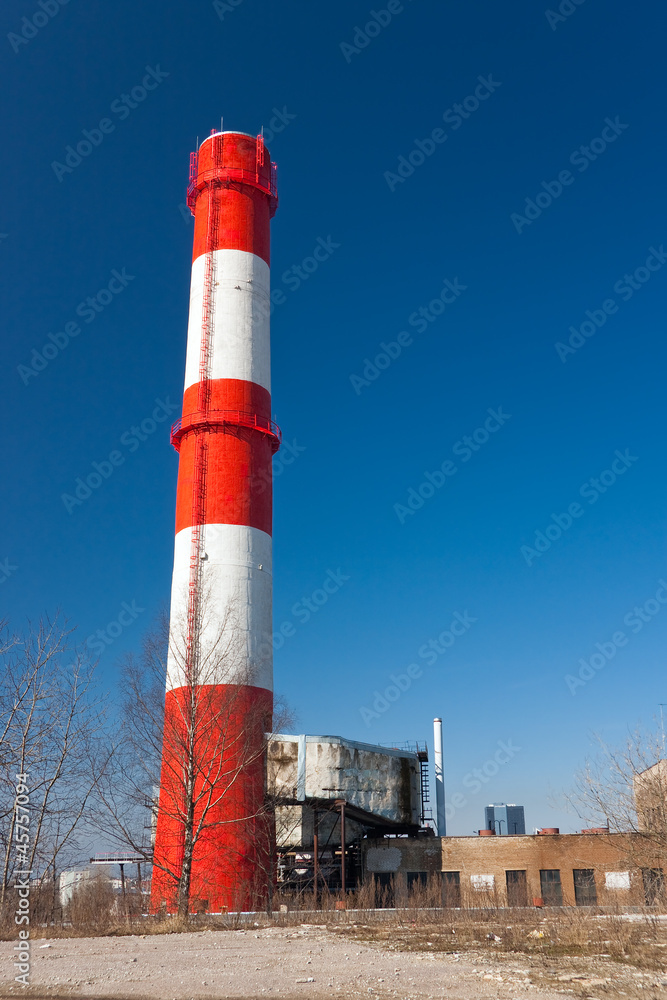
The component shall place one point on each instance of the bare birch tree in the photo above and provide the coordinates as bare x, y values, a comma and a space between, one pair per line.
196, 754
624, 789
51, 729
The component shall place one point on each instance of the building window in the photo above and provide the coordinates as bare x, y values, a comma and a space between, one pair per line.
517, 888
617, 880
654, 885
585, 893
384, 890
550, 887
417, 880
451, 888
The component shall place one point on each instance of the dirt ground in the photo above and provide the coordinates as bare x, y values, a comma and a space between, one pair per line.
306, 961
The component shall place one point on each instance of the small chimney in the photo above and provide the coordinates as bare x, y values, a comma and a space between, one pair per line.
441, 818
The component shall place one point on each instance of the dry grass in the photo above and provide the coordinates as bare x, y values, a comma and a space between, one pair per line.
548, 936
420, 924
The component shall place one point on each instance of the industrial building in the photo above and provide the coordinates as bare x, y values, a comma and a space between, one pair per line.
328, 792
548, 868
349, 814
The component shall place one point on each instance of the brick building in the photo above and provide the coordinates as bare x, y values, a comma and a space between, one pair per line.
588, 868
650, 794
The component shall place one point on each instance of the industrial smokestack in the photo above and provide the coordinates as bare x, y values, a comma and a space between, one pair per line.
222, 559
441, 819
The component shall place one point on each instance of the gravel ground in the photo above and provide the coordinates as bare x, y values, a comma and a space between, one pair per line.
303, 962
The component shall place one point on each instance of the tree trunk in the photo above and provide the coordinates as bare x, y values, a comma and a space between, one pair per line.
188, 845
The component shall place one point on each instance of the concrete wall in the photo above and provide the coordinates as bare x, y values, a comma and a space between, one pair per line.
382, 782
611, 855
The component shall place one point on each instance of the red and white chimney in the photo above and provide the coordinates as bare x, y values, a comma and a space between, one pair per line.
222, 553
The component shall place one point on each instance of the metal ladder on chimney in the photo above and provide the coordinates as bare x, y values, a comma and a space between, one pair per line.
259, 155
426, 813
197, 545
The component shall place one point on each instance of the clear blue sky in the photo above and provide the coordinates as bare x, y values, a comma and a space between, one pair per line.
347, 118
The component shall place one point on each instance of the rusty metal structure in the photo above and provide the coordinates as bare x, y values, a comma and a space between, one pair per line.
331, 793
